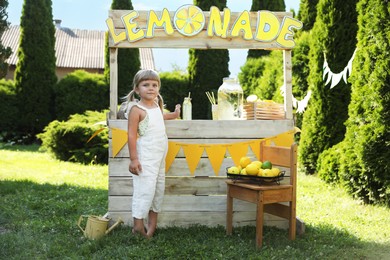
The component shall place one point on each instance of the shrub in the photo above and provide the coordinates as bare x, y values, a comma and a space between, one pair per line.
80, 91
174, 87
328, 164
67, 141
8, 106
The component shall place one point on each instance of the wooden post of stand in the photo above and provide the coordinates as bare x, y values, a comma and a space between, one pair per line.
113, 83
288, 84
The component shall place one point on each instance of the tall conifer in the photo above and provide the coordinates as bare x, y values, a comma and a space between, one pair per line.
333, 35
35, 71
364, 163
4, 52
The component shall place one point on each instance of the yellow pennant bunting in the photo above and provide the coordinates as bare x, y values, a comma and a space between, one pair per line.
255, 146
238, 150
192, 152
216, 154
173, 149
285, 139
119, 139
95, 134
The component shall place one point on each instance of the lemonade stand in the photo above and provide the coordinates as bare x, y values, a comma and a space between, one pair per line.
199, 150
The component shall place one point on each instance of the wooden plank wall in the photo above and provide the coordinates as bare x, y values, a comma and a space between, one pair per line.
199, 198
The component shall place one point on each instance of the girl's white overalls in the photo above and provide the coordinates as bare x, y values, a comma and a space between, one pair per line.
152, 146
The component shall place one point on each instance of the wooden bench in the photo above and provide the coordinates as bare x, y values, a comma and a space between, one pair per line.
268, 195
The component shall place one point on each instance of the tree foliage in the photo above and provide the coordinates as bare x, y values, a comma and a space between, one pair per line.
307, 13
5, 52
333, 35
128, 58
206, 69
35, 71
364, 164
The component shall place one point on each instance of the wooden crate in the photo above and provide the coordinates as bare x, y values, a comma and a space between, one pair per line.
199, 198
264, 110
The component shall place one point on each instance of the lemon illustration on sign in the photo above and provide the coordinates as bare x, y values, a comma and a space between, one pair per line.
189, 20
233, 170
252, 169
275, 171
244, 161
258, 163
266, 165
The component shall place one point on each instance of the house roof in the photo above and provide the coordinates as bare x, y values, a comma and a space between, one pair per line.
75, 48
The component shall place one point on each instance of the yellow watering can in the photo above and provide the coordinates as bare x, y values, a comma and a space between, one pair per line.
96, 227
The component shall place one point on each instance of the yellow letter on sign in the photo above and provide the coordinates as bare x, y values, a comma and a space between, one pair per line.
285, 35
243, 23
153, 21
133, 33
215, 25
115, 37
267, 26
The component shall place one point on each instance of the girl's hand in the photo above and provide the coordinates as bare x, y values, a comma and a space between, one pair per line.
135, 167
177, 110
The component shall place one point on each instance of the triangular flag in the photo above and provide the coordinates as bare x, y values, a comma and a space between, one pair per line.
238, 150
173, 149
285, 139
216, 154
255, 146
193, 152
95, 134
119, 139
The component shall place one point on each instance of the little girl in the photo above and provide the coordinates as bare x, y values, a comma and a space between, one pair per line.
148, 146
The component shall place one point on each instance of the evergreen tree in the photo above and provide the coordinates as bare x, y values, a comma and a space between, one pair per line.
307, 14
128, 58
206, 69
35, 71
333, 34
364, 162
4, 52
270, 5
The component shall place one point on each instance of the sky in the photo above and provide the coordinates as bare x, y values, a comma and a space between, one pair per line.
91, 15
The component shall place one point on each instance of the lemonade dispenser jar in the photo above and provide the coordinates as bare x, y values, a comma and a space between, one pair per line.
230, 100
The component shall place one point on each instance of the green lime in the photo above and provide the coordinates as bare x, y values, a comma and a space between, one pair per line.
266, 165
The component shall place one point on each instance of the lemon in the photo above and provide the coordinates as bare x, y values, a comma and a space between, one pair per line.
244, 161
251, 98
258, 163
267, 173
275, 171
266, 165
260, 172
189, 20
233, 170
252, 169
243, 171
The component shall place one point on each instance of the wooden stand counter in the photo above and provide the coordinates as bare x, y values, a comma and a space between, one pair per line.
198, 198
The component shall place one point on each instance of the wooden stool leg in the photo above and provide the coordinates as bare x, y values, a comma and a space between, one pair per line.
292, 229
229, 212
259, 220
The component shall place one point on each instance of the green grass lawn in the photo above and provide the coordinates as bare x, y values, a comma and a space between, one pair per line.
41, 200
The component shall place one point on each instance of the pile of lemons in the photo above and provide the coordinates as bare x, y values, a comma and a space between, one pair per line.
254, 168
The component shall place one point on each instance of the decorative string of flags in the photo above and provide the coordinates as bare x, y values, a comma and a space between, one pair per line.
216, 153
330, 76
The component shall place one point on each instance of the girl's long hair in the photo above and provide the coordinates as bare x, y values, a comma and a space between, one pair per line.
141, 76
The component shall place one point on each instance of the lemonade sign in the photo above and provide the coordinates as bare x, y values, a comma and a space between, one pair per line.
190, 21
